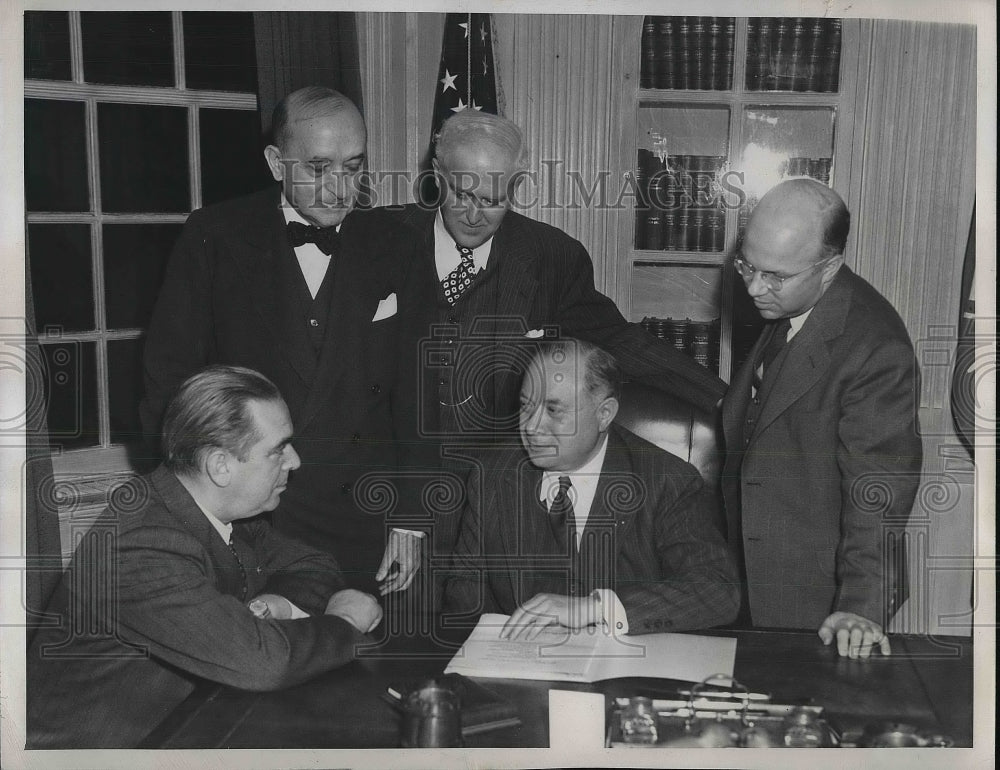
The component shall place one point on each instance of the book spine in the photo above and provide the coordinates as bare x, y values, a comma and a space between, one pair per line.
781, 53
815, 56
715, 55
647, 64
831, 56
753, 62
798, 58
698, 51
664, 52
730, 47
682, 62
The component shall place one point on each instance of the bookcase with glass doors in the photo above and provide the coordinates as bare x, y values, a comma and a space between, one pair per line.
715, 111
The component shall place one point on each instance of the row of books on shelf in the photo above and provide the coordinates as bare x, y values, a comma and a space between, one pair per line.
698, 339
793, 54
679, 207
688, 52
783, 54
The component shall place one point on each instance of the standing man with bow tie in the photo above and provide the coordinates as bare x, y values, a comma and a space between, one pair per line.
297, 283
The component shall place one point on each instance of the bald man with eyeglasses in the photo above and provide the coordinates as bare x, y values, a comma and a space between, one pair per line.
822, 449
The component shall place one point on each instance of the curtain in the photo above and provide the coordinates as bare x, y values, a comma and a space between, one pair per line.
298, 49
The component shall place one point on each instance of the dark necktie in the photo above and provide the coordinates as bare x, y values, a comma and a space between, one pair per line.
324, 237
561, 517
774, 346
459, 279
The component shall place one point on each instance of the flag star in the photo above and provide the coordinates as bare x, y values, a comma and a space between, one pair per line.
448, 81
485, 67
461, 106
466, 28
474, 105
482, 32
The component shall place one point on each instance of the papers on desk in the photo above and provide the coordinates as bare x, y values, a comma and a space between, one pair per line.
590, 655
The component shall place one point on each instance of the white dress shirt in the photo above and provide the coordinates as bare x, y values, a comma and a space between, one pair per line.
312, 261
583, 490
446, 256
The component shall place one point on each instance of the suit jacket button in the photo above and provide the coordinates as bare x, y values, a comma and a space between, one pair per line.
453, 320
313, 322
376, 388
345, 488
356, 438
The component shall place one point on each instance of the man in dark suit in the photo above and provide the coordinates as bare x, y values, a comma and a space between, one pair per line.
180, 580
486, 281
588, 523
823, 455
298, 284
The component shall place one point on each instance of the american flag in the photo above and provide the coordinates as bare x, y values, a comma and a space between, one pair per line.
466, 79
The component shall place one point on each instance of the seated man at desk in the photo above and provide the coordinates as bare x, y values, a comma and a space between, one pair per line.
588, 523
177, 581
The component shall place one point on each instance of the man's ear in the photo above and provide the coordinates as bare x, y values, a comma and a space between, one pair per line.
217, 468
830, 270
273, 157
606, 412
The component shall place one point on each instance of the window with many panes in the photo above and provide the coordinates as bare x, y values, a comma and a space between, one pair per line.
132, 120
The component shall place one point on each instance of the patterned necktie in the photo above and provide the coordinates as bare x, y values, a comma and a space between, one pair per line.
772, 349
561, 516
459, 279
325, 238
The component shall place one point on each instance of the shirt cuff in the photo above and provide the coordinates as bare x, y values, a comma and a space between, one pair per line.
415, 532
613, 615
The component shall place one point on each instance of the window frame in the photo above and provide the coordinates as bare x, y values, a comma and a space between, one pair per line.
106, 457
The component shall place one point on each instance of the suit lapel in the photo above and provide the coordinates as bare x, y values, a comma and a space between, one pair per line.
807, 357
270, 275
734, 406
618, 482
516, 265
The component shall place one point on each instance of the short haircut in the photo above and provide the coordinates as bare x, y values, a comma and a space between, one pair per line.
304, 104
472, 126
211, 411
602, 376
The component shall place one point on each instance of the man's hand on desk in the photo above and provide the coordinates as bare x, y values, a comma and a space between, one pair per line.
403, 548
543, 610
855, 635
359, 609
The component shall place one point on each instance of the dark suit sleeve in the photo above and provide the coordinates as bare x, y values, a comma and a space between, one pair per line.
179, 340
879, 457
303, 575
168, 603
586, 313
698, 586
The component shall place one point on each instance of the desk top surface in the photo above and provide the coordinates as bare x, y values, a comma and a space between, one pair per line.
926, 682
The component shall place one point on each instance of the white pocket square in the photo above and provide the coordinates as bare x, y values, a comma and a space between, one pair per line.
534, 334
386, 308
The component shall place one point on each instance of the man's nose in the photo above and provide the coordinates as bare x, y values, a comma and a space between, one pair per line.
532, 420
756, 286
292, 460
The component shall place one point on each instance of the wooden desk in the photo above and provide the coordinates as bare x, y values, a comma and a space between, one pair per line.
926, 682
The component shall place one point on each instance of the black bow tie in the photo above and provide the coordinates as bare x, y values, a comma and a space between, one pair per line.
324, 237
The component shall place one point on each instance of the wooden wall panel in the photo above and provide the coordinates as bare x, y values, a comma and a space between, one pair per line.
556, 75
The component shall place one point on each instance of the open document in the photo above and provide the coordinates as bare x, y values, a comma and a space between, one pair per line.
590, 655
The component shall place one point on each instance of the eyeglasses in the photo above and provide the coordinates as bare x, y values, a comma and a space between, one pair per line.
772, 281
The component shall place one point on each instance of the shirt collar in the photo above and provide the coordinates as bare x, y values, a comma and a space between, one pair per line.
480, 254
796, 323
225, 530
586, 474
